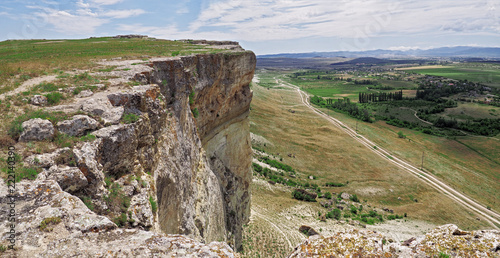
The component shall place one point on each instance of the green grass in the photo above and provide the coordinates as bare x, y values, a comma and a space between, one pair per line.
481, 73
15, 128
32, 58
44, 225
130, 118
154, 205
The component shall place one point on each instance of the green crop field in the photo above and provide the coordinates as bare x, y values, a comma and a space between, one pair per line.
489, 74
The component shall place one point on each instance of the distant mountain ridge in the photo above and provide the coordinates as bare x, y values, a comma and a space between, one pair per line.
459, 51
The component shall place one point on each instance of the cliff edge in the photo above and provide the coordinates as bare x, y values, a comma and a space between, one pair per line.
166, 169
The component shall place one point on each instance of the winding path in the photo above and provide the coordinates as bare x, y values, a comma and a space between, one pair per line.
490, 216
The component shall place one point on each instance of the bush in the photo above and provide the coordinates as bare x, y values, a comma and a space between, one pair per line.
54, 98
401, 135
328, 195
257, 168
354, 198
334, 214
154, 205
130, 118
303, 195
48, 221
121, 220
195, 112
334, 184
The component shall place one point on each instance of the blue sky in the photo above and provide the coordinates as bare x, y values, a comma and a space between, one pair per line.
264, 26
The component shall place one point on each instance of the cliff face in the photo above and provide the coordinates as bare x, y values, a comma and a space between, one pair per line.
171, 156
204, 176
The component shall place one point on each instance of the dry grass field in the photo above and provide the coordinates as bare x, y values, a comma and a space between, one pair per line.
322, 150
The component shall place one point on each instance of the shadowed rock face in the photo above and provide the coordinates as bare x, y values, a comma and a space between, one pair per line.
203, 186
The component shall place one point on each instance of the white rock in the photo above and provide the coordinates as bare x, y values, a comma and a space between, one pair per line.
37, 129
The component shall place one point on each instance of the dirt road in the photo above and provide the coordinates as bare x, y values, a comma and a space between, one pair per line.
490, 216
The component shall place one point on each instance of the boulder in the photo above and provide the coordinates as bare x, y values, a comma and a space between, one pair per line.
345, 196
70, 179
118, 148
136, 100
309, 231
103, 108
45, 160
38, 100
85, 93
78, 126
37, 129
140, 207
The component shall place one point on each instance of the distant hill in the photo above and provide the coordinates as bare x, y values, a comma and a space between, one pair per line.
457, 52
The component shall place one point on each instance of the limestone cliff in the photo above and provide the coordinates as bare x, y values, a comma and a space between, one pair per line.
171, 156
218, 156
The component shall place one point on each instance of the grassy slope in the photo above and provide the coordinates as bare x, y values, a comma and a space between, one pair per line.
322, 150
30, 58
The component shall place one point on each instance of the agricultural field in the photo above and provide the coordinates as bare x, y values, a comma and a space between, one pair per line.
488, 74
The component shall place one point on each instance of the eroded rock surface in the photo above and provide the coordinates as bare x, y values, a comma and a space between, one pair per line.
173, 157
37, 129
78, 125
447, 239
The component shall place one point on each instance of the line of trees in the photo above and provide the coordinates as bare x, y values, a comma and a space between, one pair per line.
380, 96
343, 105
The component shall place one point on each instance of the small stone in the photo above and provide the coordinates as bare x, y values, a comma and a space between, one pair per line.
38, 100
84, 94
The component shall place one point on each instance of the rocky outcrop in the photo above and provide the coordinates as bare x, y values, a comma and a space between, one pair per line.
37, 129
70, 179
445, 240
79, 232
78, 125
215, 150
172, 156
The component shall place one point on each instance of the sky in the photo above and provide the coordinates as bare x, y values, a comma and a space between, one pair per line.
264, 26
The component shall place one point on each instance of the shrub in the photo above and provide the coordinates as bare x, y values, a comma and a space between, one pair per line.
195, 112
353, 209
88, 202
49, 221
334, 184
54, 98
46, 87
257, 168
328, 195
354, 198
334, 214
130, 118
121, 220
401, 135
154, 205
302, 195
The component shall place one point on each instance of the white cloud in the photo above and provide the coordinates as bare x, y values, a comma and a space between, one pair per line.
106, 2
120, 14
359, 19
65, 22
